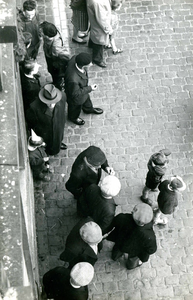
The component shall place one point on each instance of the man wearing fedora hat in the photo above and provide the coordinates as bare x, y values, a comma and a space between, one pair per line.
77, 88
46, 116
87, 169
83, 243
168, 198
60, 283
134, 235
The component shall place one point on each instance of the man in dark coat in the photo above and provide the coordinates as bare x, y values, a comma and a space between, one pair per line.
30, 83
77, 88
62, 284
133, 234
98, 202
46, 116
28, 21
83, 243
86, 170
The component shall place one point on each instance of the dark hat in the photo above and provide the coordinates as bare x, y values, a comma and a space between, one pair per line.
91, 233
49, 94
142, 213
82, 273
177, 183
29, 5
49, 29
27, 37
83, 59
95, 156
159, 159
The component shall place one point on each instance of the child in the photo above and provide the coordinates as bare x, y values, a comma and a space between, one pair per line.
37, 157
115, 6
157, 166
168, 198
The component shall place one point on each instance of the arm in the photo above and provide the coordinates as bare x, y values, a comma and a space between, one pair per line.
78, 93
74, 185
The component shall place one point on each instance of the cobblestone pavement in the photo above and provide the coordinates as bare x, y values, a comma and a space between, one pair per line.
146, 93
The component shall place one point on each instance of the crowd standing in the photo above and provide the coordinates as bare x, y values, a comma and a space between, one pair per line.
44, 108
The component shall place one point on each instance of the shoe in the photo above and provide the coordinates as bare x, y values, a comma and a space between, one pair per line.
107, 47
160, 221
147, 201
133, 263
79, 41
63, 146
117, 51
96, 110
78, 121
82, 35
100, 63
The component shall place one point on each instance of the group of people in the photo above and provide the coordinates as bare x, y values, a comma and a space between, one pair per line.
44, 108
132, 233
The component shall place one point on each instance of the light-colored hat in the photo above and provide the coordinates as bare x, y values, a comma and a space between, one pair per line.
49, 94
91, 233
82, 273
142, 213
177, 183
110, 186
35, 141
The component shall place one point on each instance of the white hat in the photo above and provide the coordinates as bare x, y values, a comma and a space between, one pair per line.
82, 273
91, 233
177, 183
110, 186
34, 141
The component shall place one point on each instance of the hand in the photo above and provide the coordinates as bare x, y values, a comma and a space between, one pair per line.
46, 158
93, 87
110, 170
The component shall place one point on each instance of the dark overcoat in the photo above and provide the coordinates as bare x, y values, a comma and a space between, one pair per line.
57, 286
100, 209
76, 84
49, 127
130, 238
30, 89
36, 159
167, 199
81, 175
76, 250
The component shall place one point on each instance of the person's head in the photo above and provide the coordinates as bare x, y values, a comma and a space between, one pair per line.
81, 274
29, 9
35, 141
142, 214
50, 95
110, 186
177, 183
95, 157
83, 60
91, 233
30, 67
48, 29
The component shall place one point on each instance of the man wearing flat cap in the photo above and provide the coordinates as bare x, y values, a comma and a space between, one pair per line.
133, 234
98, 202
46, 116
87, 169
77, 88
61, 283
83, 243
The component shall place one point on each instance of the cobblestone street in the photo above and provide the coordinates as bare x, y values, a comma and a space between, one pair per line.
147, 96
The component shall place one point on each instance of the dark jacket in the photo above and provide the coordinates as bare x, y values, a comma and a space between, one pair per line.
130, 238
82, 176
76, 84
31, 26
167, 199
36, 159
57, 286
49, 127
100, 209
30, 89
76, 250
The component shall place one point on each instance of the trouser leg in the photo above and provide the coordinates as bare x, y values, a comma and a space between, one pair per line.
132, 262
116, 253
73, 111
87, 107
145, 192
97, 54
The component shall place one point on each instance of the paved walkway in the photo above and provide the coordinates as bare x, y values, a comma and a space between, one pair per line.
146, 93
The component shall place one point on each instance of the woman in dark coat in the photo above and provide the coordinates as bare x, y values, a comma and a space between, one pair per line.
133, 234
47, 121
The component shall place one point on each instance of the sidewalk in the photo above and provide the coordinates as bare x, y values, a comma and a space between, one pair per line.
146, 93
